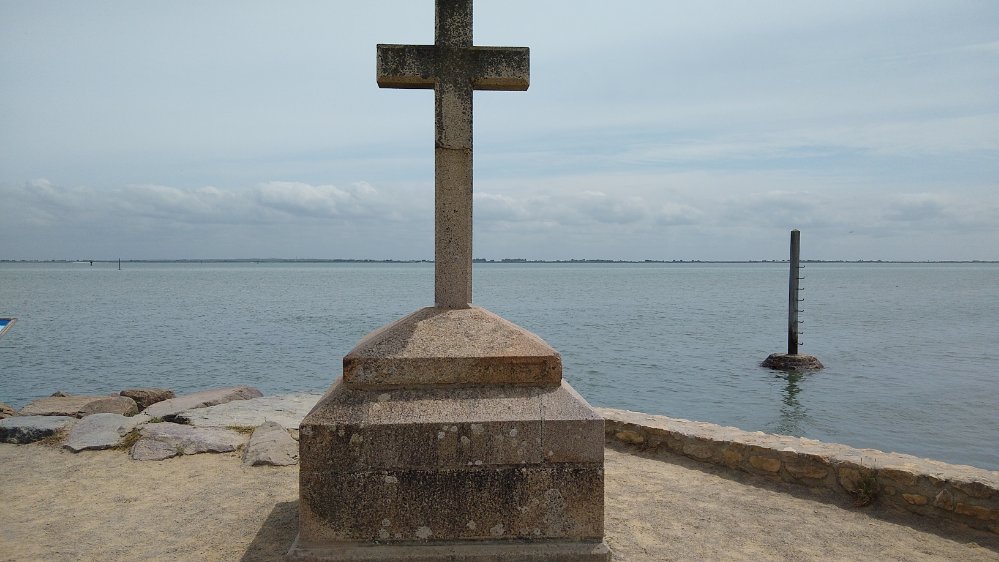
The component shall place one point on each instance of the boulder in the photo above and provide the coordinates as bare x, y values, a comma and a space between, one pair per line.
285, 409
6, 411
153, 450
145, 397
271, 445
122, 405
58, 405
100, 431
28, 429
160, 441
167, 409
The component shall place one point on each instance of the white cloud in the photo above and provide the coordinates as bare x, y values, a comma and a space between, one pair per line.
43, 202
645, 123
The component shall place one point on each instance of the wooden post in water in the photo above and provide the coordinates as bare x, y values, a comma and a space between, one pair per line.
792, 360
792, 303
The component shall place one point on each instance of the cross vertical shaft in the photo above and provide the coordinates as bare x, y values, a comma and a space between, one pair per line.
453, 158
453, 67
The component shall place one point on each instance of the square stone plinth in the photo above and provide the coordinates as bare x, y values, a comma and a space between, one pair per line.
451, 473
446, 346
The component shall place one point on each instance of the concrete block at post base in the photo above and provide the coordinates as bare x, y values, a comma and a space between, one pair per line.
792, 362
448, 346
456, 473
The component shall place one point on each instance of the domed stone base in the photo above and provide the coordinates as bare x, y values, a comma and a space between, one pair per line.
785, 362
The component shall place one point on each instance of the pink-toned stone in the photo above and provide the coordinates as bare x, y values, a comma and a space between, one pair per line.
167, 409
145, 397
915, 499
442, 346
767, 464
58, 405
121, 405
977, 511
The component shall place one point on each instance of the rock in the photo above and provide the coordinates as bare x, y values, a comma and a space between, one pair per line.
160, 441
58, 405
100, 431
630, 437
59, 394
153, 450
28, 429
766, 464
6, 411
271, 444
287, 410
944, 500
122, 405
145, 397
169, 408
698, 450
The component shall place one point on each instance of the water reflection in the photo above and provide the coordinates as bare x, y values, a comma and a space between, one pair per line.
792, 413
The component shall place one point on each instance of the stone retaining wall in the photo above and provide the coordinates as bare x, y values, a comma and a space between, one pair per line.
932, 488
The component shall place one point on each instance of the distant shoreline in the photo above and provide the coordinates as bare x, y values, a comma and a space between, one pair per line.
480, 260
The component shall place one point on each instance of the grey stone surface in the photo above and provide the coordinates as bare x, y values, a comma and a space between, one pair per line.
144, 397
164, 440
28, 429
167, 409
6, 411
58, 405
153, 450
489, 457
437, 443
100, 431
122, 405
451, 346
442, 428
453, 67
271, 445
285, 409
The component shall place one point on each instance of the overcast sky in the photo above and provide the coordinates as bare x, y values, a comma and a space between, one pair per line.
651, 130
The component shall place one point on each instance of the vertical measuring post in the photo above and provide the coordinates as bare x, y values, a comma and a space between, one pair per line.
792, 298
791, 361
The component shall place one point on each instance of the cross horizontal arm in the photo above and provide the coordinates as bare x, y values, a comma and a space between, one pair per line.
419, 66
406, 66
501, 68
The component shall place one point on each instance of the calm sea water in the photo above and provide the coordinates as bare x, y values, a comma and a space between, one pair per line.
911, 351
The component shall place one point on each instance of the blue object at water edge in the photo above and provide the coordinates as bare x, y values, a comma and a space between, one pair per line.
5, 324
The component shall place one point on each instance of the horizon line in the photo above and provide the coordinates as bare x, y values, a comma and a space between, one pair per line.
475, 260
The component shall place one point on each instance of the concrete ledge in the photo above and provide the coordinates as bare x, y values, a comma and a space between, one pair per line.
958, 493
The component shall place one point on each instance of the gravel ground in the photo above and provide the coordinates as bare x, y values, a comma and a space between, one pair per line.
58, 505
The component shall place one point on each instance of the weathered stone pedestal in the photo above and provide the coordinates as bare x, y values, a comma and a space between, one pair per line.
451, 436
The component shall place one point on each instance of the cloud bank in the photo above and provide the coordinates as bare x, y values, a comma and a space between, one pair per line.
650, 217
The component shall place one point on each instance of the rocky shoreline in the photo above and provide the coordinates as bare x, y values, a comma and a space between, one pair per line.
154, 424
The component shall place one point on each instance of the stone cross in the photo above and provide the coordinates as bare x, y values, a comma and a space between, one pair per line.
453, 68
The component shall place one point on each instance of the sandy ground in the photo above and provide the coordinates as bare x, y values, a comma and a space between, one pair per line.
56, 505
